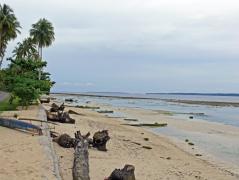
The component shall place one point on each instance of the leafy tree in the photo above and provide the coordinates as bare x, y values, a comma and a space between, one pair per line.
21, 78
25, 90
24, 77
9, 28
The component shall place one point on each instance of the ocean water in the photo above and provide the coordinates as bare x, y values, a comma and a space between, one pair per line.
226, 115
227, 148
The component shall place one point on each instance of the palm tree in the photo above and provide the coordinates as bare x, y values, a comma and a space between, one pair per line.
9, 28
26, 49
43, 34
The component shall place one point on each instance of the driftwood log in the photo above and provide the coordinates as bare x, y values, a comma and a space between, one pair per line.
62, 117
56, 108
74, 112
127, 173
100, 139
80, 170
65, 141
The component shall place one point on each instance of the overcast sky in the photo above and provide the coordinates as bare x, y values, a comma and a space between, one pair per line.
138, 45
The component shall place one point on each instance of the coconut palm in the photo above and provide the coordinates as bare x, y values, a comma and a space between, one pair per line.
9, 28
43, 34
26, 49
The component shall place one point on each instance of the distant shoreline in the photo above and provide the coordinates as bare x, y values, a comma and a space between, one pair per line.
196, 102
199, 94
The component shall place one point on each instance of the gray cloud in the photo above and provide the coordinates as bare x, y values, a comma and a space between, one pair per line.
139, 45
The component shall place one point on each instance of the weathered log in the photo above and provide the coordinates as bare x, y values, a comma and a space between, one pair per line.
56, 108
62, 107
127, 173
62, 117
100, 139
80, 170
51, 116
54, 134
65, 141
74, 112
65, 118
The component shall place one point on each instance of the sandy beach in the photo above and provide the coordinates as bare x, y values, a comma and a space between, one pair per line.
119, 90
164, 161
24, 155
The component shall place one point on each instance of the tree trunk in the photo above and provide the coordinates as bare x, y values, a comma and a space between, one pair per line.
1, 60
1, 56
80, 170
40, 69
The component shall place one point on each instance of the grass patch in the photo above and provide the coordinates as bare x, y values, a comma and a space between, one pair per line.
6, 106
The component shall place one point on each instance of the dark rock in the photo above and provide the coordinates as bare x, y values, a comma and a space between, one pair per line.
69, 100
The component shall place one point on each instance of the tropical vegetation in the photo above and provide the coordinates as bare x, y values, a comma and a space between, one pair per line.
24, 77
9, 28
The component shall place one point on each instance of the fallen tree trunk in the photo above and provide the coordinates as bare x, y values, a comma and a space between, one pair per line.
56, 108
80, 170
127, 173
74, 112
100, 139
62, 117
65, 141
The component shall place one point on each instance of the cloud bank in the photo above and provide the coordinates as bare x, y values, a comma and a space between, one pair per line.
138, 45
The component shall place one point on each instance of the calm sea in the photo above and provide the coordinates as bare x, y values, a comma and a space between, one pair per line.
227, 115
